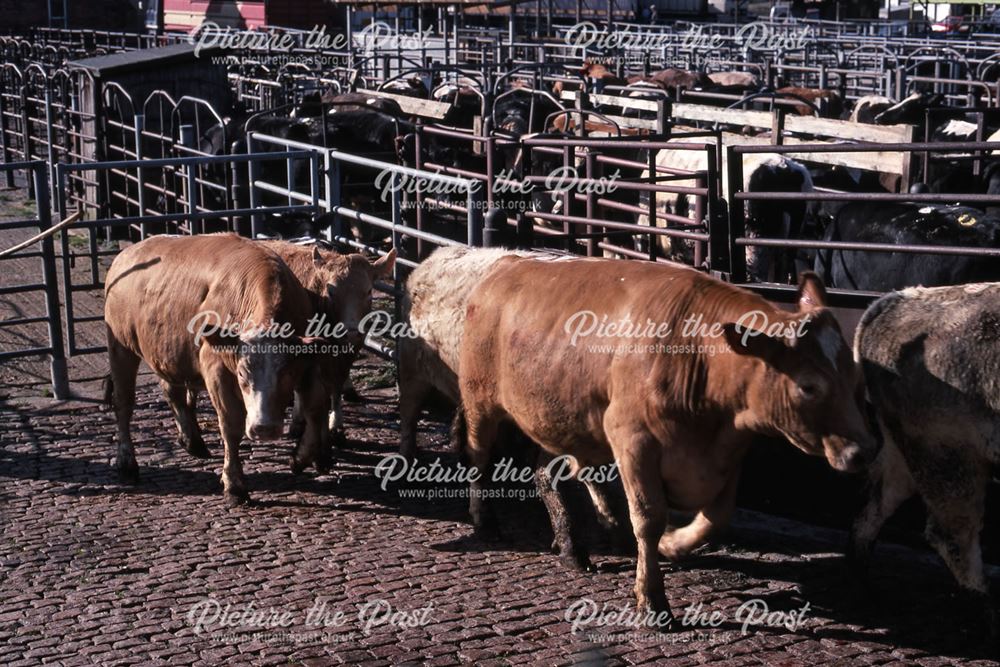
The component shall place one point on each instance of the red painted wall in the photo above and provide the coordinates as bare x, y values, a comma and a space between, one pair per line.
185, 15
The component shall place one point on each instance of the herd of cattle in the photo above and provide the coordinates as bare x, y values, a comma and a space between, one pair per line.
373, 125
675, 403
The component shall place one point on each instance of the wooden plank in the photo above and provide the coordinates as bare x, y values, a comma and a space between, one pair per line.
888, 162
845, 129
414, 106
614, 100
707, 114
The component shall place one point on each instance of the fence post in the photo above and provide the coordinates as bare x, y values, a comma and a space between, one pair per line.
50, 136
496, 223
140, 125
737, 222
26, 137
188, 140
474, 203
57, 358
4, 148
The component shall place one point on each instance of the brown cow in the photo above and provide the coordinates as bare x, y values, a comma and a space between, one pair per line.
433, 305
734, 82
341, 289
828, 102
699, 369
163, 293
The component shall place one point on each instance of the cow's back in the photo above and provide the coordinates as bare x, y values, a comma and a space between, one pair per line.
433, 305
931, 359
155, 288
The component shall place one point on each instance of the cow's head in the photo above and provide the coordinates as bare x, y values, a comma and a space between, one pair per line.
350, 281
807, 387
267, 367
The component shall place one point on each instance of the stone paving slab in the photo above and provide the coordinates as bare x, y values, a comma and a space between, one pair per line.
93, 572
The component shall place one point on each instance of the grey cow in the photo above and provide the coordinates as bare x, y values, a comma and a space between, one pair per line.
931, 359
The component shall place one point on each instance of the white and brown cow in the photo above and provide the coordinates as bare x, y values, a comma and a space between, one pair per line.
433, 306
677, 419
163, 291
340, 291
931, 361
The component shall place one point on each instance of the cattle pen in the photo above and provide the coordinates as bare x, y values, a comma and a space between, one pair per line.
752, 150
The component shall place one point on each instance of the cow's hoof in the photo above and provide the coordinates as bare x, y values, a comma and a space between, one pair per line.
128, 473
324, 463
236, 497
298, 465
338, 439
657, 614
578, 561
197, 449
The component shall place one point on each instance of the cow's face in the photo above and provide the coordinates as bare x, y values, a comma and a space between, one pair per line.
808, 388
350, 282
267, 370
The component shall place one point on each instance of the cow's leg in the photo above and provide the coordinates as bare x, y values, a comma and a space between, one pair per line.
565, 528
228, 403
638, 458
412, 393
953, 486
609, 516
183, 402
678, 543
124, 366
312, 448
889, 485
481, 433
297, 426
338, 436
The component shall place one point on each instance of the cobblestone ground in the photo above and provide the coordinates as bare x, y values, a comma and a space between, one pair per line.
93, 572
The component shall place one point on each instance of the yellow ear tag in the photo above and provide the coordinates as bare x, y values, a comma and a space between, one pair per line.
966, 220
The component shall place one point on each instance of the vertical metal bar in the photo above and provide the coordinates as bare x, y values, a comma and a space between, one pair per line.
253, 167
50, 136
140, 125
474, 204
737, 221
4, 148
57, 357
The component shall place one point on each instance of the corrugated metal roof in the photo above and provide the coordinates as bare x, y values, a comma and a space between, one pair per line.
140, 59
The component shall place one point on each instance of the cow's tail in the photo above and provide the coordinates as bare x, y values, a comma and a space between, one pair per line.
109, 391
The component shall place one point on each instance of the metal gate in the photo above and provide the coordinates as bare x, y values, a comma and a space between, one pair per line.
47, 287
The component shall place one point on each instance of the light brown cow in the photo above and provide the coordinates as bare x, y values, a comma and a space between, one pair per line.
677, 419
828, 102
163, 291
341, 289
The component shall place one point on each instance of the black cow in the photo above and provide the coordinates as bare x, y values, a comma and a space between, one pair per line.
905, 223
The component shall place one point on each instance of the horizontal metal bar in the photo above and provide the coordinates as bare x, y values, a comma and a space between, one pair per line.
870, 247
180, 161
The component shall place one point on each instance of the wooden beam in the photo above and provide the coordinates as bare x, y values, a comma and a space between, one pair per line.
414, 106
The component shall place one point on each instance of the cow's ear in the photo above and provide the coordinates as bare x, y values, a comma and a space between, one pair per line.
317, 257
753, 342
812, 291
383, 267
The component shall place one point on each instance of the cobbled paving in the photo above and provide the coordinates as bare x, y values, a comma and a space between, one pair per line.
94, 572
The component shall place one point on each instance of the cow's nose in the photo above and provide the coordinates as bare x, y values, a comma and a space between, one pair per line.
264, 431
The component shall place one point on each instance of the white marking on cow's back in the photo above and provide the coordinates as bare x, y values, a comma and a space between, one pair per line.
830, 343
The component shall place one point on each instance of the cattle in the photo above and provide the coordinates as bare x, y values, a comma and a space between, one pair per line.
930, 358
313, 105
904, 223
829, 103
762, 172
909, 111
341, 288
410, 86
161, 294
675, 406
433, 306
734, 82
868, 107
